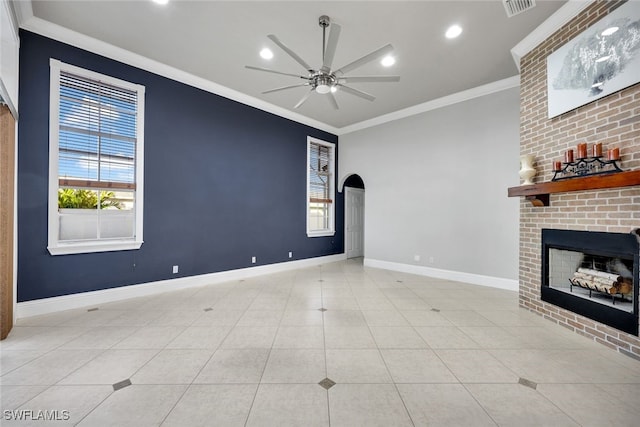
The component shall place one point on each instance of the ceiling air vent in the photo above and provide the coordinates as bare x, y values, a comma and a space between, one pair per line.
514, 7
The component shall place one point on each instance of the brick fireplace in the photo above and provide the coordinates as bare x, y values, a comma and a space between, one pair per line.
613, 121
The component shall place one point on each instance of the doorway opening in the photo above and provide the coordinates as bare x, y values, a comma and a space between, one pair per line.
354, 216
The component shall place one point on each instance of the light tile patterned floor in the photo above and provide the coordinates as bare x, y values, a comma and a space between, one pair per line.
402, 350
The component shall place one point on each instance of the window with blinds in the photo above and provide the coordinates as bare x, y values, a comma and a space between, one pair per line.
96, 141
97, 134
320, 188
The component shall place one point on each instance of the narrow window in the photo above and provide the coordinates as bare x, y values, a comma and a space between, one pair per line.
95, 162
320, 188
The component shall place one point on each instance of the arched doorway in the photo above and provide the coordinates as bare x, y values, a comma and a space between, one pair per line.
354, 216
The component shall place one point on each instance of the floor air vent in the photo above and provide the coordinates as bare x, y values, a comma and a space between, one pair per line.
514, 7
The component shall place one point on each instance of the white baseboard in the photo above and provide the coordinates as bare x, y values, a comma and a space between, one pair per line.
459, 276
84, 299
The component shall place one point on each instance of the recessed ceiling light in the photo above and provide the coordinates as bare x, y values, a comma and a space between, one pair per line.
266, 53
609, 31
161, 1
388, 61
453, 31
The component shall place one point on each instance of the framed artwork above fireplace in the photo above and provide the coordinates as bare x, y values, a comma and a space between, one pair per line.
601, 60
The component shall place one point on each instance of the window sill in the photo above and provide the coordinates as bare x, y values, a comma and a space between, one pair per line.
323, 233
89, 247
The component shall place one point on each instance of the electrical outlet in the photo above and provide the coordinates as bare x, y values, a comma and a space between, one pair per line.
175, 269
290, 254
416, 257
253, 260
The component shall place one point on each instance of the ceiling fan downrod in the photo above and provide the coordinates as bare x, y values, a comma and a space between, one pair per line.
324, 21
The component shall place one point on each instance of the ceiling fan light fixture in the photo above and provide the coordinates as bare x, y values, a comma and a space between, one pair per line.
334, 89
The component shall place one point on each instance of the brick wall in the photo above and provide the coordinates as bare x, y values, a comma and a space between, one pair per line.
614, 121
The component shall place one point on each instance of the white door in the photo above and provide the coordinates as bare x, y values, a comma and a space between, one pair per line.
354, 222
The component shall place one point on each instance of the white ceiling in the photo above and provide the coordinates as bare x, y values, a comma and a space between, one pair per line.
214, 40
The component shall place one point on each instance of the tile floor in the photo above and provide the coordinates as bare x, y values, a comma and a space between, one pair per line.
394, 349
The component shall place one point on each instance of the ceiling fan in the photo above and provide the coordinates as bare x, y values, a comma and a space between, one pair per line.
325, 80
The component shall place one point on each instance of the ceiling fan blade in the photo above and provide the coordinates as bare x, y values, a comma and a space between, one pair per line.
284, 88
373, 79
273, 71
330, 51
365, 59
356, 92
290, 52
332, 100
304, 98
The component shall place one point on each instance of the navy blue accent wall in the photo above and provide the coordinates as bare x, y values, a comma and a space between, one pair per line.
223, 182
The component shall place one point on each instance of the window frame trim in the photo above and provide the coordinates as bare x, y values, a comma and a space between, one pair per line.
331, 231
55, 246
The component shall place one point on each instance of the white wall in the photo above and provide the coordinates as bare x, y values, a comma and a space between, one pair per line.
436, 186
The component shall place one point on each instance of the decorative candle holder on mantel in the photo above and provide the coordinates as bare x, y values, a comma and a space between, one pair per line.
586, 166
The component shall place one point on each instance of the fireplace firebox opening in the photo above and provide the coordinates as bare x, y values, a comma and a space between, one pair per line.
594, 274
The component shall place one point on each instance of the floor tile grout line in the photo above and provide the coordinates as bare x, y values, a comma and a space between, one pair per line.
266, 362
95, 407
324, 343
175, 404
47, 387
555, 405
395, 386
478, 403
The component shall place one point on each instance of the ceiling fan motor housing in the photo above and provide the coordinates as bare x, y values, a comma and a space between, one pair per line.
323, 82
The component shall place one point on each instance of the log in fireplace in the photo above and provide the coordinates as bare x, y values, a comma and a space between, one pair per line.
594, 274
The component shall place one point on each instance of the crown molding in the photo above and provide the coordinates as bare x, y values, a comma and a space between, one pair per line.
23, 10
73, 38
445, 101
566, 13
12, 15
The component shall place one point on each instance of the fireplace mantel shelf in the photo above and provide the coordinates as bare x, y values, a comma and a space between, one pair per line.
538, 194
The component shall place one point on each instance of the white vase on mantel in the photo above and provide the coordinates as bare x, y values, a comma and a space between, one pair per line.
527, 172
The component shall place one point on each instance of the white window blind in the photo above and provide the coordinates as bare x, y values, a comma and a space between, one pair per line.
320, 188
97, 134
319, 174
